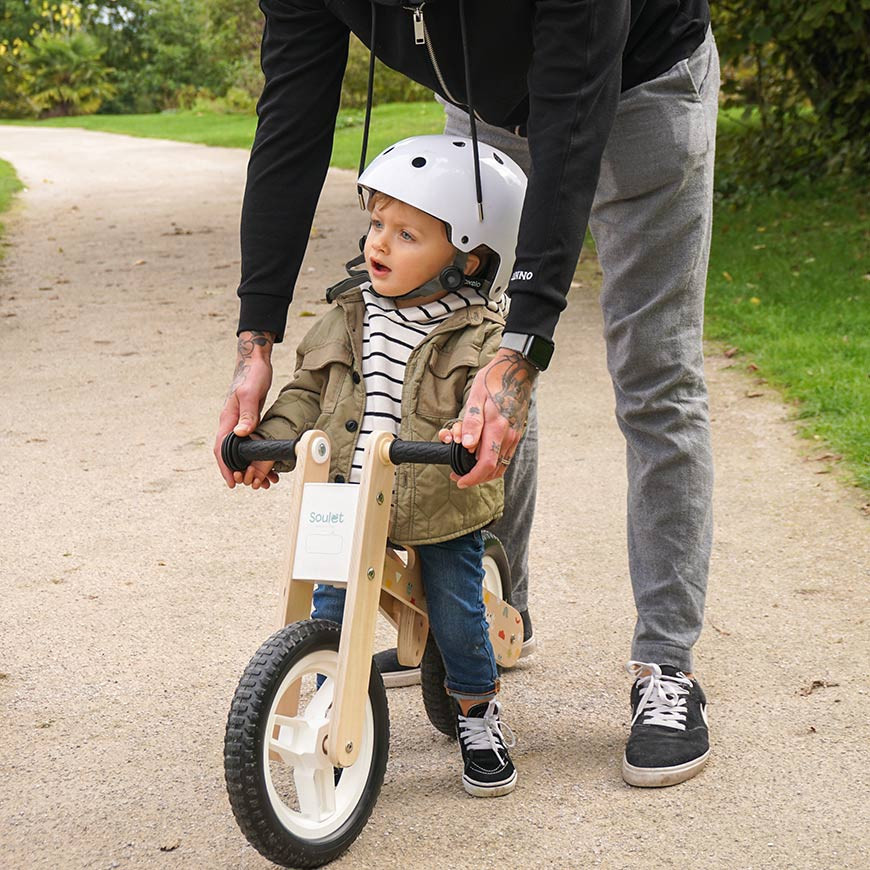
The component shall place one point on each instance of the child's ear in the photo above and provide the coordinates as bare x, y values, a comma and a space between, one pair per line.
472, 264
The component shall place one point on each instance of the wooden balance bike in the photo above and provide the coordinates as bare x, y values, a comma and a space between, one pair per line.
308, 731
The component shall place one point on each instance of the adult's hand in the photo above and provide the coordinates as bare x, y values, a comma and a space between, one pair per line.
251, 382
494, 416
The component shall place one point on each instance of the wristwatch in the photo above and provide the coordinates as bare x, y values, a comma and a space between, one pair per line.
538, 351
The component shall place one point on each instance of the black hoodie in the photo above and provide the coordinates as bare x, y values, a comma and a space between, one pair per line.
551, 70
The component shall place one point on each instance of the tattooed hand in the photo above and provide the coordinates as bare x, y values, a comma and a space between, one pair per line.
495, 415
251, 381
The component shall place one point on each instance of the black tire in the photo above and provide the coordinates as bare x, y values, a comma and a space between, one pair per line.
310, 646
439, 706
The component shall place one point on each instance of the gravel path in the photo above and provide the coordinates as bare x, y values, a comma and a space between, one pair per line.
135, 587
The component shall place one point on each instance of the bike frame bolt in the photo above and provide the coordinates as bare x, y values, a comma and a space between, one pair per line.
380, 498
370, 573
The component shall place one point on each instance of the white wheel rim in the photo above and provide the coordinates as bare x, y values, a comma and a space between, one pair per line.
320, 807
492, 577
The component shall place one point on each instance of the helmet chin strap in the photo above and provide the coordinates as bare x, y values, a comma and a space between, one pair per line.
450, 278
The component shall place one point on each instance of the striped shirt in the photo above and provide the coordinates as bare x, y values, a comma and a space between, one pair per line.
390, 334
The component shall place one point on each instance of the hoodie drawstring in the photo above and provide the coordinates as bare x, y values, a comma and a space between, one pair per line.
368, 120
471, 119
470, 107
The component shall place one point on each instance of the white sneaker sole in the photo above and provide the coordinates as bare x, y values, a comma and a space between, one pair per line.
658, 777
478, 790
529, 646
400, 679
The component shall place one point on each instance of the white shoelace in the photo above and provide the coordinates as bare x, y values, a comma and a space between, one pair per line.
486, 733
663, 698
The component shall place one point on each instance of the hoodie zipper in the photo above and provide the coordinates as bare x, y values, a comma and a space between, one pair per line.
421, 37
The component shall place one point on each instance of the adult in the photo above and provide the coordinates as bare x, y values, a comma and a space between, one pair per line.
615, 103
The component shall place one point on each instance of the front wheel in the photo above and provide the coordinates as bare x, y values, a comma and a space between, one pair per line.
292, 805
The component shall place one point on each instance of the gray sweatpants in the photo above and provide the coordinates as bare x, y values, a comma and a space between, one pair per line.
651, 222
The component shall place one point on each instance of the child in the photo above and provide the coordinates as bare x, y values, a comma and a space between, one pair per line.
399, 353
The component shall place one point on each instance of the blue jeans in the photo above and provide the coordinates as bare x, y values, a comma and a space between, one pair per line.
453, 580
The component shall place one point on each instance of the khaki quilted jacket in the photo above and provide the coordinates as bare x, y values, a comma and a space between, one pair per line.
327, 392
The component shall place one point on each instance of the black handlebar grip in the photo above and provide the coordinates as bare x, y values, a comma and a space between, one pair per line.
432, 453
238, 453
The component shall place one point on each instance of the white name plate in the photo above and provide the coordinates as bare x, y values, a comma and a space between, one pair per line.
326, 524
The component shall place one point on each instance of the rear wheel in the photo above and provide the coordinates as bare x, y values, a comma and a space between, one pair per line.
439, 705
286, 796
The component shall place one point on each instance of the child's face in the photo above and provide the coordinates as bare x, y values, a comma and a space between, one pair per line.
404, 248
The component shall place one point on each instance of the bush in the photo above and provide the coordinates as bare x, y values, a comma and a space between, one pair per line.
795, 77
64, 74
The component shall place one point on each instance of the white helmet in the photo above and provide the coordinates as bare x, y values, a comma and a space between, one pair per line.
436, 174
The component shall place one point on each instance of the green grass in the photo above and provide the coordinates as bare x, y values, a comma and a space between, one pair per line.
789, 289
787, 272
390, 122
9, 186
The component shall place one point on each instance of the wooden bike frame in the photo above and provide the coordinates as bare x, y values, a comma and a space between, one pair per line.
378, 578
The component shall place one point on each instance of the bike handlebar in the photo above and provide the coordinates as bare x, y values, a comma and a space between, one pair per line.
433, 453
238, 453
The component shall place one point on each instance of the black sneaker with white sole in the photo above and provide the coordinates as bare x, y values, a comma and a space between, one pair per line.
489, 771
669, 741
393, 674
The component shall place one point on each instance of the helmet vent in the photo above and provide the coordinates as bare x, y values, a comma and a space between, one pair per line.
418, 162
465, 240
459, 144
497, 158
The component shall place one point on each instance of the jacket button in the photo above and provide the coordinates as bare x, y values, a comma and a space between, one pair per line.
339, 478
355, 377
351, 425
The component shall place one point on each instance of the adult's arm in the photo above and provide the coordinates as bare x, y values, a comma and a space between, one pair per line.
574, 85
304, 54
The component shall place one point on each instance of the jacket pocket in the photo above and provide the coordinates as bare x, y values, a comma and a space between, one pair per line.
333, 360
442, 386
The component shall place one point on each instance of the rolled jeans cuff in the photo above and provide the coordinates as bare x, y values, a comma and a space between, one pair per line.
466, 694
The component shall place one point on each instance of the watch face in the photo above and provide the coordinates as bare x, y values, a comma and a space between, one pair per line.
540, 352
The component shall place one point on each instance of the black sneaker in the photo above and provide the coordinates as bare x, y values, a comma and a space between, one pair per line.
395, 675
669, 739
530, 644
489, 771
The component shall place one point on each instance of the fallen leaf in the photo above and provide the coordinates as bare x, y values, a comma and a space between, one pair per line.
753, 394
47, 724
752, 367
139, 263
719, 630
727, 276
833, 457
816, 684
731, 351
754, 300
170, 847
307, 314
